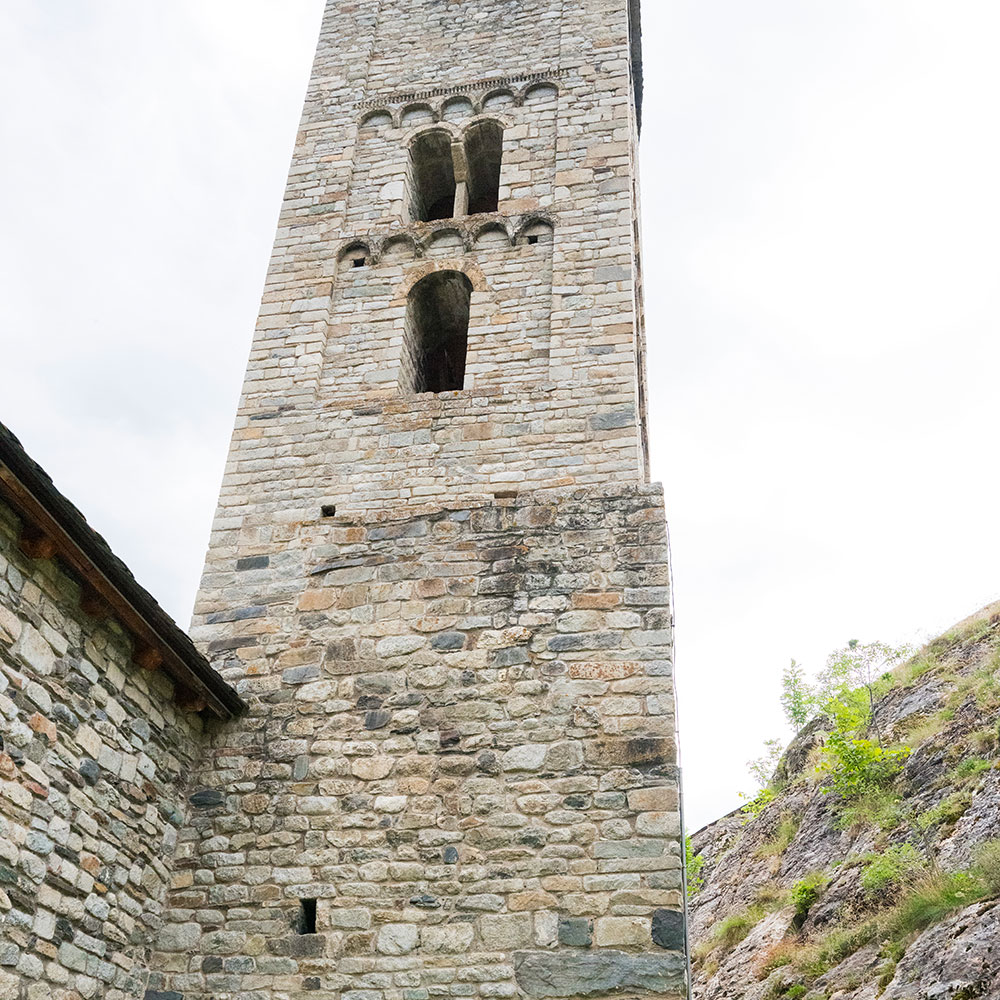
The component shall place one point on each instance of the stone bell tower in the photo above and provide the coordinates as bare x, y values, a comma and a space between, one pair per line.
438, 574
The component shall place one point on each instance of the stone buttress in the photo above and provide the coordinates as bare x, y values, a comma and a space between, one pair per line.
438, 573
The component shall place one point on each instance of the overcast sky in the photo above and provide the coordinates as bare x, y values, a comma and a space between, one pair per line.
821, 220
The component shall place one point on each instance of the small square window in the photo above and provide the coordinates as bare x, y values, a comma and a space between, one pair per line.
328, 510
358, 262
533, 239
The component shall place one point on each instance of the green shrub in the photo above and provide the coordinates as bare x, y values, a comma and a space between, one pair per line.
845, 941
987, 868
886, 873
933, 899
693, 864
794, 992
856, 766
806, 891
881, 807
758, 804
736, 927
970, 767
783, 836
947, 812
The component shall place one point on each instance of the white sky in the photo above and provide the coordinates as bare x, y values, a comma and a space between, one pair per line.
821, 220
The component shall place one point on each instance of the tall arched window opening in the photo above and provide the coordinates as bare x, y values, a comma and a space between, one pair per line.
483, 154
437, 333
432, 177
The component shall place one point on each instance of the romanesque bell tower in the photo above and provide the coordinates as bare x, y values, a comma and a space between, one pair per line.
438, 574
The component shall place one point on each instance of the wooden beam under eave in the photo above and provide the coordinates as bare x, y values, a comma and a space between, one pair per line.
38, 520
35, 544
147, 657
93, 605
188, 700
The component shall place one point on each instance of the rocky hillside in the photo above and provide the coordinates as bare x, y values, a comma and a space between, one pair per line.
870, 868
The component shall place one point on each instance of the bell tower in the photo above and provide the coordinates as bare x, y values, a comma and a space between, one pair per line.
438, 574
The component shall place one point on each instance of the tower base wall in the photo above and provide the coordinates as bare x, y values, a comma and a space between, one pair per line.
461, 745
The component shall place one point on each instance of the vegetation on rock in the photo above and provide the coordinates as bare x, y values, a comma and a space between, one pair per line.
872, 849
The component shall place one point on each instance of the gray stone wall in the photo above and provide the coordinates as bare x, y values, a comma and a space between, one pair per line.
460, 744
552, 397
92, 767
449, 613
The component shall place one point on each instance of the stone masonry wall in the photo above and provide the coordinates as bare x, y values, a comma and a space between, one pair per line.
460, 743
92, 767
552, 397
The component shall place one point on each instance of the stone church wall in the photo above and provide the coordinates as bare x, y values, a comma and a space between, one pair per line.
460, 744
92, 767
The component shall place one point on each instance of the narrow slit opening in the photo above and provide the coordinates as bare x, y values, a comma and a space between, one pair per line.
307, 916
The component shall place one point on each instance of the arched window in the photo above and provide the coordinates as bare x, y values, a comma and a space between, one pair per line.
437, 333
432, 177
483, 154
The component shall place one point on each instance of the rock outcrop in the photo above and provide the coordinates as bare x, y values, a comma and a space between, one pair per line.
892, 894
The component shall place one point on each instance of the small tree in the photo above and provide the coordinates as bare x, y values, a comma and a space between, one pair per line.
847, 686
798, 701
762, 768
762, 771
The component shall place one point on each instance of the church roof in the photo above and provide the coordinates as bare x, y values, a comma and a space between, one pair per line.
54, 527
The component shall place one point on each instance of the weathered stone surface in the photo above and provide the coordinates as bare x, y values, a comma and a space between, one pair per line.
507, 931
397, 939
592, 973
207, 798
94, 762
668, 929
576, 932
629, 932
178, 937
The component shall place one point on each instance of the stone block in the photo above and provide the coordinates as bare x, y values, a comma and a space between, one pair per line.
397, 939
576, 932
658, 799
597, 973
650, 751
446, 938
668, 929
506, 931
629, 932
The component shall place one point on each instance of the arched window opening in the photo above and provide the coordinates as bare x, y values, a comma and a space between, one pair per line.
432, 175
377, 119
356, 255
437, 333
483, 154
537, 232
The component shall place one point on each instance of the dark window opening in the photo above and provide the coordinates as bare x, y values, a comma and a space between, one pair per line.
538, 232
306, 922
432, 178
328, 510
353, 256
483, 154
437, 333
